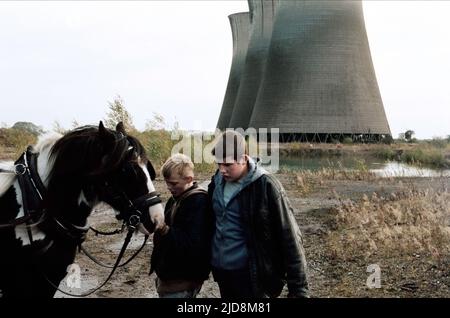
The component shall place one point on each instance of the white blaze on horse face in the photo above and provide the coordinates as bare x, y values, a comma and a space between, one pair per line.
156, 211
21, 229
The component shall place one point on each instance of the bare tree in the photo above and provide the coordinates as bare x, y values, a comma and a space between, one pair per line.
118, 113
57, 127
75, 124
409, 134
156, 123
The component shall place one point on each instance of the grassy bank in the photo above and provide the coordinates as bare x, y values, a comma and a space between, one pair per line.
422, 154
433, 153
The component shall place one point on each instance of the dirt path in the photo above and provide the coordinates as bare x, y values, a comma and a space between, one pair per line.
416, 276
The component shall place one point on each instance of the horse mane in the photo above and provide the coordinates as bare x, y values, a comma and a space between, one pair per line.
77, 152
6, 178
46, 141
84, 151
42, 146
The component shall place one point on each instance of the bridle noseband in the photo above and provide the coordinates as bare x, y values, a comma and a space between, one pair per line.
131, 211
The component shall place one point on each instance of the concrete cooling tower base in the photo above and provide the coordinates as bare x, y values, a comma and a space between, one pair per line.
330, 137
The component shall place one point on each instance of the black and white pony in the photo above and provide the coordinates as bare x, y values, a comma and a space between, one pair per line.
47, 195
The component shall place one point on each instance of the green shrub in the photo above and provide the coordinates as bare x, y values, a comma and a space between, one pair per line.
388, 140
157, 144
438, 142
347, 141
386, 153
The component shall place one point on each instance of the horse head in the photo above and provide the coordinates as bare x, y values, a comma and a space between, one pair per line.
127, 185
97, 164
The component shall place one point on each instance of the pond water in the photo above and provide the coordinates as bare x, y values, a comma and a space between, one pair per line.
382, 169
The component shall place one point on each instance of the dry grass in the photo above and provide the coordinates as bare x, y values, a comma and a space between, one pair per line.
307, 180
14, 141
433, 153
333, 174
401, 224
7, 153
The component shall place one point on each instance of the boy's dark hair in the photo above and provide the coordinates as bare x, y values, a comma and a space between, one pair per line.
230, 144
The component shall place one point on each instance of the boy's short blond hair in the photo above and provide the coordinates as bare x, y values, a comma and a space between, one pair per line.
178, 164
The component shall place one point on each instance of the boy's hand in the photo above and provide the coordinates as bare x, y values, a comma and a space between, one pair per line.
164, 230
157, 218
159, 234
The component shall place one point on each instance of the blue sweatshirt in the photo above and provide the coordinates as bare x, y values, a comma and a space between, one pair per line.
229, 248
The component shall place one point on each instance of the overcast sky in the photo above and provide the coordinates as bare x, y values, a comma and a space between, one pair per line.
62, 60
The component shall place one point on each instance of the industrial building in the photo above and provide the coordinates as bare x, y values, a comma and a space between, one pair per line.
309, 72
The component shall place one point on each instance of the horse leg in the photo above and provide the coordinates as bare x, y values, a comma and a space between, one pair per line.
23, 275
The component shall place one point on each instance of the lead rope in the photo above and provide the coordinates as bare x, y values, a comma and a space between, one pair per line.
96, 261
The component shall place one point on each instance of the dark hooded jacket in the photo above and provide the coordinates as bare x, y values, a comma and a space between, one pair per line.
184, 252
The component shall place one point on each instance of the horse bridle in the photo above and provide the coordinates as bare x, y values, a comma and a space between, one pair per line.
129, 209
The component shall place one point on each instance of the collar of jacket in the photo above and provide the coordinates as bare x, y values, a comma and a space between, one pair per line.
254, 172
194, 186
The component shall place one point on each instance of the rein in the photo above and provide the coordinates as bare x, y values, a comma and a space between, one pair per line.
141, 203
96, 261
98, 232
118, 231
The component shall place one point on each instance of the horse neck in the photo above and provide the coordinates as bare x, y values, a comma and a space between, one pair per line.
73, 206
69, 204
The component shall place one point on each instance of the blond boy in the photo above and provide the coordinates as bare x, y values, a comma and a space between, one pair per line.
181, 255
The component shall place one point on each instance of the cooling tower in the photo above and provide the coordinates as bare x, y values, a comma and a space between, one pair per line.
240, 29
319, 76
261, 16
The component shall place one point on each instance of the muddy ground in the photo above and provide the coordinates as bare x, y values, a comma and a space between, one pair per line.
413, 275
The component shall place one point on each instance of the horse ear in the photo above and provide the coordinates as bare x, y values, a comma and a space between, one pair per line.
121, 128
101, 129
103, 132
